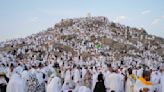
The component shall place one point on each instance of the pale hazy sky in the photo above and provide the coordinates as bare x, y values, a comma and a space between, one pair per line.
20, 18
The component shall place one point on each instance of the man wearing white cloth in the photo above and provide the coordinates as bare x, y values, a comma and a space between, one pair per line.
143, 83
16, 83
115, 82
162, 79
54, 85
76, 75
67, 75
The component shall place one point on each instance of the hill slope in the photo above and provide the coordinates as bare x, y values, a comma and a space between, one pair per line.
89, 37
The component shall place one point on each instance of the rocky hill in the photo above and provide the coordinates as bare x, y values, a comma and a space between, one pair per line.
88, 37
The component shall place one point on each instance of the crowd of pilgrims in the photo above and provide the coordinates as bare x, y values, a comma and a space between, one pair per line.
80, 77
33, 67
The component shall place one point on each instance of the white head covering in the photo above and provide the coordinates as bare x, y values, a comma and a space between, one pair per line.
18, 70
